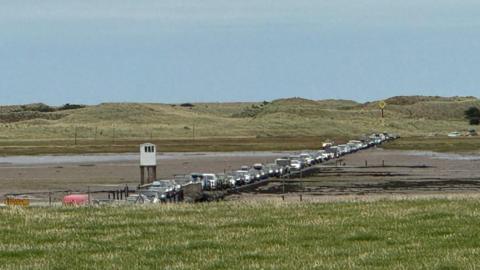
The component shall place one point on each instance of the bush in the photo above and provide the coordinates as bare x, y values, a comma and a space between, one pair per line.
473, 115
472, 112
475, 121
38, 107
69, 106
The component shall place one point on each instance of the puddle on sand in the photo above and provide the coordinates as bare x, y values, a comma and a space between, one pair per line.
95, 158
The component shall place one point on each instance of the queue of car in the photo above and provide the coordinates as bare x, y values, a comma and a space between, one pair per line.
165, 190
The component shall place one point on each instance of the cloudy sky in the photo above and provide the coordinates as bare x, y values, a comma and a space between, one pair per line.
211, 50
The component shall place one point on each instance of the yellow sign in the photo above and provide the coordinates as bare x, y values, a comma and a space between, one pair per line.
17, 202
382, 104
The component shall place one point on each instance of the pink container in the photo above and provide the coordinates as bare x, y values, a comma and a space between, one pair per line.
75, 199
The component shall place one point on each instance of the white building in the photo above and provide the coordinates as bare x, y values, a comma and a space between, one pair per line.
148, 154
148, 162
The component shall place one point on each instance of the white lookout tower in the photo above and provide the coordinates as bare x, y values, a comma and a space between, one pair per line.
148, 160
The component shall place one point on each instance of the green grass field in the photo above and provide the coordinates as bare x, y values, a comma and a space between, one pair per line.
388, 234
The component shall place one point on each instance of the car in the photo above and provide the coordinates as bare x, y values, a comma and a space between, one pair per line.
160, 190
198, 178
454, 134
333, 152
353, 147
324, 155
246, 176
259, 167
211, 181
273, 170
256, 174
231, 181
300, 160
296, 164
344, 149
356, 145
378, 138
240, 178
308, 159
253, 174
225, 180
318, 156
326, 145
284, 163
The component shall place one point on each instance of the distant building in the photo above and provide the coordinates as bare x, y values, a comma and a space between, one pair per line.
148, 162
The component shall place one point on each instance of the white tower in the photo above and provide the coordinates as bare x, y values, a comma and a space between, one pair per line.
148, 160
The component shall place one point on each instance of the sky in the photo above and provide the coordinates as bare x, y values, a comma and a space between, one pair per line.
171, 51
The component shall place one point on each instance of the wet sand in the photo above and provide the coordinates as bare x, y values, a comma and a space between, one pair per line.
405, 173
22, 174
377, 172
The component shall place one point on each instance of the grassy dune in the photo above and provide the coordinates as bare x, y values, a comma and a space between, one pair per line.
131, 122
413, 234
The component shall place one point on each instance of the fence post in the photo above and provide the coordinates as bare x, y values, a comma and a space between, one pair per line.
75, 135
89, 195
